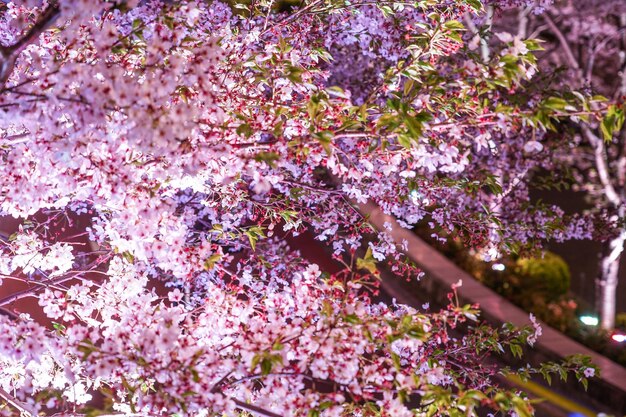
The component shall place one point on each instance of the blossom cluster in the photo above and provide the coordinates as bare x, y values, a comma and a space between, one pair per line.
198, 139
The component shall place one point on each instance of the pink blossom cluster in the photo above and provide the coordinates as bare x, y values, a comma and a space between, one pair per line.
199, 139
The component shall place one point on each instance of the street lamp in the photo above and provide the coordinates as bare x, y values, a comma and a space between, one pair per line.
618, 337
589, 320
498, 267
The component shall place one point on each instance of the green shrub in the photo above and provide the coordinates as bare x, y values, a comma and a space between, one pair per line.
547, 276
620, 321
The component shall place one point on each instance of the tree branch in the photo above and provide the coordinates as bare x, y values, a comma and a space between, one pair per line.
17, 404
68, 276
593, 51
14, 139
255, 410
621, 91
602, 166
292, 16
484, 47
9, 54
571, 59
45, 20
591, 60
11, 315
522, 27
537, 31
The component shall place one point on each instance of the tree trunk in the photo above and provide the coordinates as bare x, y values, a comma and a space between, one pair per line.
606, 284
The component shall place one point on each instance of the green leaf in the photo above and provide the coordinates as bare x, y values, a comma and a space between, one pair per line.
454, 25
405, 141
475, 4
296, 192
417, 332
325, 139
87, 349
386, 10
413, 125
118, 49
619, 119
423, 117
268, 157
585, 383
607, 129
254, 233
337, 92
266, 366
169, 22
368, 262
252, 239
352, 319
244, 129
211, 261
322, 54
521, 407
612, 122
58, 327
278, 128
241, 6
325, 404
327, 308
533, 45
554, 103
434, 16
195, 375
129, 257
294, 74
516, 350
255, 361
396, 360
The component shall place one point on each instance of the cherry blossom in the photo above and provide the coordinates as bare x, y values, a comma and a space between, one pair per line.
199, 139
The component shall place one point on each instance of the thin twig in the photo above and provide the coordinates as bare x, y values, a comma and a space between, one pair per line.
15, 139
17, 404
602, 166
8, 55
45, 20
571, 59
292, 17
50, 282
255, 410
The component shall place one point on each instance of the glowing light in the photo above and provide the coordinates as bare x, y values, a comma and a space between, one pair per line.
498, 267
619, 337
418, 198
589, 320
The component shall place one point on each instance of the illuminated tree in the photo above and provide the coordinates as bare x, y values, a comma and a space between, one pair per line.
196, 136
587, 39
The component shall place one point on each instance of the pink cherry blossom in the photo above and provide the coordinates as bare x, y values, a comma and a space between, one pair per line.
163, 159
